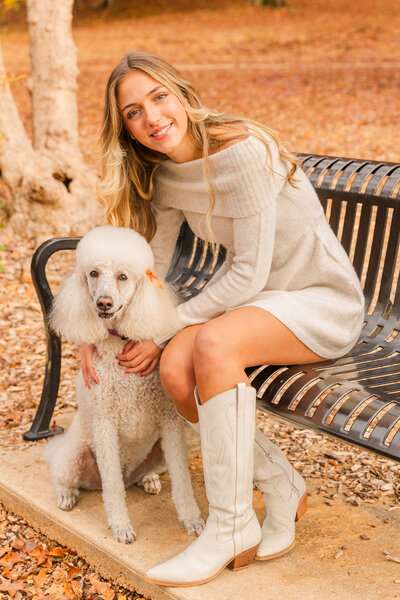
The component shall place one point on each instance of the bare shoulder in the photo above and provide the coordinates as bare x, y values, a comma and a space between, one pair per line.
228, 135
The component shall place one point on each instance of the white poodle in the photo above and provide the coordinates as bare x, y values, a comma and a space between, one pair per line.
113, 296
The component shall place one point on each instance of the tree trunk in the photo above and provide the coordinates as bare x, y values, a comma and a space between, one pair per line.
46, 187
54, 78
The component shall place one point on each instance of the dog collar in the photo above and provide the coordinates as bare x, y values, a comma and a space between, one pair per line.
115, 332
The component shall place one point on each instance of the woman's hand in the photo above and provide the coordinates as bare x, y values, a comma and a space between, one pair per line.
140, 357
87, 351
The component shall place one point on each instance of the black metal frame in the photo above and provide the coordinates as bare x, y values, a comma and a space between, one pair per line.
355, 398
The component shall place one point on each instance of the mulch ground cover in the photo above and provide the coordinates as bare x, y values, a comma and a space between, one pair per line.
324, 74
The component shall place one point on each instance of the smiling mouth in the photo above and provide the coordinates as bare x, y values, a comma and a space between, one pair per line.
162, 131
106, 315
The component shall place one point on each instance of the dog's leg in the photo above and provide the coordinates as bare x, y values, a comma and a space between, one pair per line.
108, 460
174, 447
69, 458
146, 476
143, 474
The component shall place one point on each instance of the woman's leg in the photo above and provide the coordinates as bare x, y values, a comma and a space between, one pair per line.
215, 354
242, 338
177, 372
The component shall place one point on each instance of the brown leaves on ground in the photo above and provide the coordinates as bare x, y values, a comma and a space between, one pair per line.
32, 567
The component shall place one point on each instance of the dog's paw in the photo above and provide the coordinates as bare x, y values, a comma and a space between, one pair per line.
67, 498
151, 483
125, 535
194, 527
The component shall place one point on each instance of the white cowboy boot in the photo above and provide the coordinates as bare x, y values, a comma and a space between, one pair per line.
285, 497
284, 492
232, 533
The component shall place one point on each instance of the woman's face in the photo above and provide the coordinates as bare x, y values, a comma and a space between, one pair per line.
155, 117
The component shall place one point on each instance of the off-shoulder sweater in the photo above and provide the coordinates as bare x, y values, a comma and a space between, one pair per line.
282, 255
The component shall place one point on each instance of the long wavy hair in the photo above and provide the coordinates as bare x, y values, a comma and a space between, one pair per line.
128, 167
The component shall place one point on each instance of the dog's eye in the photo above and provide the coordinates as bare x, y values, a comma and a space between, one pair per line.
122, 277
93, 274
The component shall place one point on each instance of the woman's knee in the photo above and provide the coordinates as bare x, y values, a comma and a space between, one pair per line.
209, 347
174, 378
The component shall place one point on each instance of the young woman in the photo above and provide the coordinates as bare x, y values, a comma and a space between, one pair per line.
286, 294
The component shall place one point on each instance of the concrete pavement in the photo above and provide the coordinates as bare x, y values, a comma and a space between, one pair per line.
310, 571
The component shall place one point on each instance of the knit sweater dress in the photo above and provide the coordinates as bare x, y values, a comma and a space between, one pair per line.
282, 255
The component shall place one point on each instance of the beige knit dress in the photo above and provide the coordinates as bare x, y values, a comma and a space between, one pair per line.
282, 255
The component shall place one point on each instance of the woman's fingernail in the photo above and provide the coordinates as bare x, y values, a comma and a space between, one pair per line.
119, 363
141, 374
96, 381
126, 372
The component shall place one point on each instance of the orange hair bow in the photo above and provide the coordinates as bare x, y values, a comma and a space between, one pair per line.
152, 277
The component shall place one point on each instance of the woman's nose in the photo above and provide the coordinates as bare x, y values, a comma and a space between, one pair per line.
152, 115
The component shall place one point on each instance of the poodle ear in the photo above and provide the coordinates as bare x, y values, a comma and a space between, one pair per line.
71, 315
151, 310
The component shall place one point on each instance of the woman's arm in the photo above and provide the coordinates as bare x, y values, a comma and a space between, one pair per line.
253, 248
169, 221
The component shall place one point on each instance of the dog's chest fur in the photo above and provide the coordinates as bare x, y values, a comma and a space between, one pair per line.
128, 400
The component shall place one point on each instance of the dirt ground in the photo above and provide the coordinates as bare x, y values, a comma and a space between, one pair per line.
326, 75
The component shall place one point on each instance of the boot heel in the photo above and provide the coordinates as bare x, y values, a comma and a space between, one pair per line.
244, 559
302, 507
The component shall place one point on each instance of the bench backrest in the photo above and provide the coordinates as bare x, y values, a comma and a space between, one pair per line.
361, 200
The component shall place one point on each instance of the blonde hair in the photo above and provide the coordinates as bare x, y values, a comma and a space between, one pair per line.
128, 167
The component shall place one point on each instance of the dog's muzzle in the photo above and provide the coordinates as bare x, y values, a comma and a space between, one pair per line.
107, 315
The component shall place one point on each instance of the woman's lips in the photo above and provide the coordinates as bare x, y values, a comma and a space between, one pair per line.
161, 133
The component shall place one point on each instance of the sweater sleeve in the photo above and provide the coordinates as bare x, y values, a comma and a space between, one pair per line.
169, 221
253, 247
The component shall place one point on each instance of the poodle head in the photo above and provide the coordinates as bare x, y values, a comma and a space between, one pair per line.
113, 287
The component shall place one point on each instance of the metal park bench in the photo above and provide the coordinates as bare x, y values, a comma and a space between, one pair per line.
355, 398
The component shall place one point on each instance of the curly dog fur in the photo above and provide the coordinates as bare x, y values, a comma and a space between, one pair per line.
112, 296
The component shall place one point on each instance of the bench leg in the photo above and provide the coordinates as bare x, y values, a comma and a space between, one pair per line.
40, 426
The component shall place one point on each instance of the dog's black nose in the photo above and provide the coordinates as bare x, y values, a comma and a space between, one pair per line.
104, 303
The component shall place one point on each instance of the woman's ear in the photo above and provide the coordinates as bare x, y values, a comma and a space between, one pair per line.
151, 310
71, 315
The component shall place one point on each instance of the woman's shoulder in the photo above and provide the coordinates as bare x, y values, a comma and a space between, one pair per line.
225, 136
242, 150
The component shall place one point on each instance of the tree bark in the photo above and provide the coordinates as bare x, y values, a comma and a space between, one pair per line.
46, 187
24, 174
54, 78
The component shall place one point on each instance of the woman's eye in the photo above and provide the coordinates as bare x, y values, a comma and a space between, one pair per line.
93, 274
161, 96
122, 277
132, 113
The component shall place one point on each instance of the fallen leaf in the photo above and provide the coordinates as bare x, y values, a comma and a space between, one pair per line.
102, 587
77, 586
41, 579
39, 554
57, 551
12, 587
73, 572
56, 590
9, 559
69, 592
